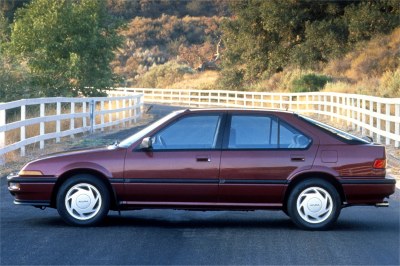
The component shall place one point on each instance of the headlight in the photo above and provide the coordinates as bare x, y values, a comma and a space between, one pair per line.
13, 186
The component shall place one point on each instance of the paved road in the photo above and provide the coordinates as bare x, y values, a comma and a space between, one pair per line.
363, 236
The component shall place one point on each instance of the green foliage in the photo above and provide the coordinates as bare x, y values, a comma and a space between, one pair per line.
231, 79
4, 30
367, 18
8, 7
162, 75
310, 83
68, 46
15, 80
264, 37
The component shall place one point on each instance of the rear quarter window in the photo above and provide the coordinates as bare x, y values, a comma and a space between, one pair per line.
334, 132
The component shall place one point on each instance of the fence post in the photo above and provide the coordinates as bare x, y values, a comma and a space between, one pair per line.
2, 135
358, 114
130, 110
92, 118
353, 114
124, 112
102, 115
72, 120
348, 111
110, 118
364, 108
84, 117
397, 124
307, 106
22, 129
378, 121
117, 113
135, 107
387, 125
42, 131
371, 118
58, 122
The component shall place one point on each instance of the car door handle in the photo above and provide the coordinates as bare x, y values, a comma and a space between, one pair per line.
297, 158
203, 159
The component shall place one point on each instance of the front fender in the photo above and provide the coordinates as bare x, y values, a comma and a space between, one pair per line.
84, 165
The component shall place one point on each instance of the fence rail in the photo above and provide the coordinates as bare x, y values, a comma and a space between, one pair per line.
93, 113
375, 116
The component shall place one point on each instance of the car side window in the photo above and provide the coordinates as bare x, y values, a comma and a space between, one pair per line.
248, 132
291, 138
264, 132
191, 132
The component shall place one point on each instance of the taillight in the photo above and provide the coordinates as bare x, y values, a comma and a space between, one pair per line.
380, 164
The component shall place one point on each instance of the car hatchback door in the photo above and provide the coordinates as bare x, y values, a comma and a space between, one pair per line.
182, 166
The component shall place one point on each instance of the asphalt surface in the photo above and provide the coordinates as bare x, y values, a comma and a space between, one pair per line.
362, 236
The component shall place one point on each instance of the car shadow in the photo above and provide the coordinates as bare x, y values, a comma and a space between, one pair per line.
128, 221
232, 221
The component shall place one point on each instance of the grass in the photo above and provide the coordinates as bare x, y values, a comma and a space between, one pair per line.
198, 81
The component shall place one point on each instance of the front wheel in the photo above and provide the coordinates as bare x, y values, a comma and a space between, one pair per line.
83, 200
314, 204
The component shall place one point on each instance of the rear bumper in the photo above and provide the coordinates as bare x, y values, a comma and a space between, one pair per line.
367, 191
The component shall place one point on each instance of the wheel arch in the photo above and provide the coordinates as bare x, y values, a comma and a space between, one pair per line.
74, 172
309, 175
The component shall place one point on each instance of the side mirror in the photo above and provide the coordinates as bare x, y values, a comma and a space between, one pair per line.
146, 143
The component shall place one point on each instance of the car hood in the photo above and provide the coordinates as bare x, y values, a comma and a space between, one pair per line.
106, 160
79, 151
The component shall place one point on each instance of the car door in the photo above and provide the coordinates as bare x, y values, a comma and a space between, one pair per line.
259, 153
182, 167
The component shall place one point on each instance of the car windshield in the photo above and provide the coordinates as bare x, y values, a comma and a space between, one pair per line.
346, 137
135, 137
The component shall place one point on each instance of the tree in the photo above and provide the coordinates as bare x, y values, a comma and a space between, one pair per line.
264, 37
4, 30
67, 45
8, 7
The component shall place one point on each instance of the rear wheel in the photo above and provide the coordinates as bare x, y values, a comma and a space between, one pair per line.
314, 204
83, 200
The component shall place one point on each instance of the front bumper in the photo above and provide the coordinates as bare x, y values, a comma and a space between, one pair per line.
367, 191
31, 190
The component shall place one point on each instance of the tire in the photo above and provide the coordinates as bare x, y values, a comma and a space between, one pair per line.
314, 204
83, 200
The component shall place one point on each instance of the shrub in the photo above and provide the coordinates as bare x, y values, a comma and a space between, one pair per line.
390, 84
160, 76
340, 86
310, 82
231, 79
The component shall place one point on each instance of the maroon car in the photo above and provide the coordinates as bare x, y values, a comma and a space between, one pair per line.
214, 159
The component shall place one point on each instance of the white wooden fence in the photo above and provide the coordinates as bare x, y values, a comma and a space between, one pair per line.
377, 117
92, 113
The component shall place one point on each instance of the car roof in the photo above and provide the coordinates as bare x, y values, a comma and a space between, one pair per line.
245, 110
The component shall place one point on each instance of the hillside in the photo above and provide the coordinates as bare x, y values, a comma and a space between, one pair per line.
334, 48
373, 68
70, 48
151, 42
